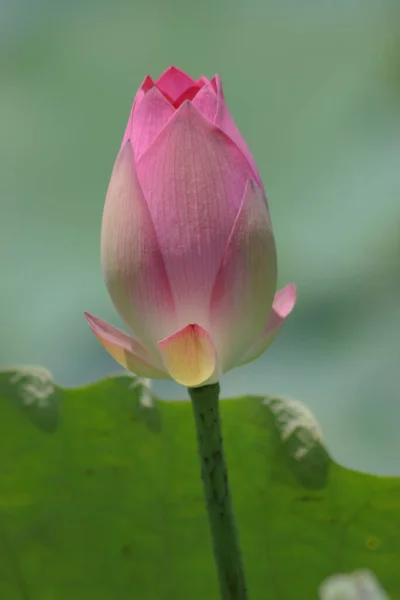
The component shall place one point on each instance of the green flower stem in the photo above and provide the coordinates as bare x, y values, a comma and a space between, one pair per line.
205, 403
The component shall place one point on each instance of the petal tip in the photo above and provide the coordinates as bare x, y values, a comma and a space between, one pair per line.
147, 84
172, 70
285, 300
91, 320
129, 353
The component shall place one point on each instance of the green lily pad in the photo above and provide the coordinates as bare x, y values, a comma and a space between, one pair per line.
100, 497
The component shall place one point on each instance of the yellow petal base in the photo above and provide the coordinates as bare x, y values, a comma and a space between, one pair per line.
189, 355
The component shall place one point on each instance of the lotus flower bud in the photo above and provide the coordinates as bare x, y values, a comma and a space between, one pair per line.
187, 248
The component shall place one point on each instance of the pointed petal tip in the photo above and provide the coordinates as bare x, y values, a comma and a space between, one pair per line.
126, 351
147, 83
188, 107
285, 300
189, 355
172, 71
189, 110
216, 82
125, 155
92, 320
174, 82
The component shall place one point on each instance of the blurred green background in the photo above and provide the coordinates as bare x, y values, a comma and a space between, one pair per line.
314, 87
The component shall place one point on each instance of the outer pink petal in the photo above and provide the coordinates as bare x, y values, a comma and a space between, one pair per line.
145, 86
193, 178
189, 356
132, 263
150, 116
246, 281
174, 82
225, 121
125, 350
206, 102
283, 305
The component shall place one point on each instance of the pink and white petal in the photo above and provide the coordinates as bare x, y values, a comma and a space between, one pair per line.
206, 102
193, 178
246, 281
174, 82
284, 302
150, 116
225, 121
125, 350
132, 263
189, 356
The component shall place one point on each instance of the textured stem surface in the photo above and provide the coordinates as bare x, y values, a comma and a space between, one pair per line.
205, 403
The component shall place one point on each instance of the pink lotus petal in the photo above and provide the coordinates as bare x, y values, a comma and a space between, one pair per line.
150, 116
284, 302
206, 102
246, 281
213, 82
193, 178
203, 81
225, 121
125, 350
146, 85
189, 356
133, 265
188, 94
174, 82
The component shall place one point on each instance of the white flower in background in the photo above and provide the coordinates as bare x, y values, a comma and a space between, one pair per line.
360, 585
